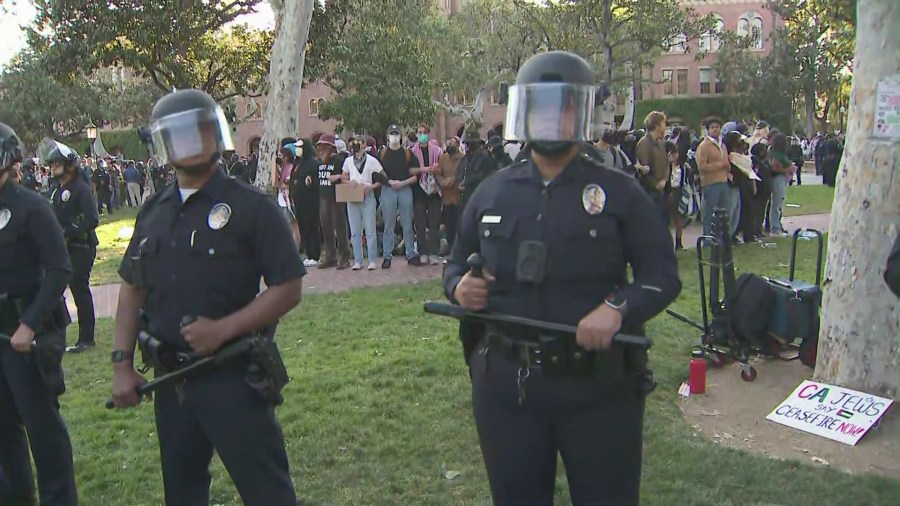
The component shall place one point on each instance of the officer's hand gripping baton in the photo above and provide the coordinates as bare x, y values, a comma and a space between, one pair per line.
4, 337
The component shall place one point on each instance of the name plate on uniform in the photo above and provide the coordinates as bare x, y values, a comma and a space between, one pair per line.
836, 413
349, 192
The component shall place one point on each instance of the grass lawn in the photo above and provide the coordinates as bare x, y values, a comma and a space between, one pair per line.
380, 400
112, 246
813, 199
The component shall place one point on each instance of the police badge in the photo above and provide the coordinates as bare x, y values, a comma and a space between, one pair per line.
5, 216
219, 216
593, 199
66, 195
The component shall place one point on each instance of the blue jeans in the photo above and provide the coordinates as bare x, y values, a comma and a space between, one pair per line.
779, 191
734, 209
715, 196
393, 201
362, 216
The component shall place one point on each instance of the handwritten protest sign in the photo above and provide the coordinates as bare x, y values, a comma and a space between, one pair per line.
832, 412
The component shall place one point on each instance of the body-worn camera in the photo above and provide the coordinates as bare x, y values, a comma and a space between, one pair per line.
531, 266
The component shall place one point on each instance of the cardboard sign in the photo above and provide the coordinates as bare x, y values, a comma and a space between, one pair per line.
349, 192
836, 413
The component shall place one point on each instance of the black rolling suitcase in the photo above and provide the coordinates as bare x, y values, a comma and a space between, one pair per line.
795, 311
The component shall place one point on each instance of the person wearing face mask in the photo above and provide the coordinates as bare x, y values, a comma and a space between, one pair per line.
200, 249
397, 197
332, 214
495, 146
474, 167
427, 197
76, 212
557, 233
447, 174
361, 168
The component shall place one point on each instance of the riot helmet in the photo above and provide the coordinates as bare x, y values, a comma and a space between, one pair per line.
551, 105
10, 147
58, 156
189, 130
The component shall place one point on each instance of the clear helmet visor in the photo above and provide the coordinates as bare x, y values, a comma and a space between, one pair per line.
549, 112
50, 151
191, 138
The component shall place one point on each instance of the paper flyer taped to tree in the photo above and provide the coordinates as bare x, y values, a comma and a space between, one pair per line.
836, 413
887, 109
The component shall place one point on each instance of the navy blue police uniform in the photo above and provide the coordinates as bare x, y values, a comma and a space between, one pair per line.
34, 271
590, 222
76, 211
198, 254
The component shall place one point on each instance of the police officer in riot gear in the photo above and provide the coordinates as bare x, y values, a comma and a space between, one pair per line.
556, 233
194, 264
34, 270
76, 211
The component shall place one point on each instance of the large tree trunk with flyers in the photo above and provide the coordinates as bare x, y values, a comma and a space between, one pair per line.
858, 339
282, 112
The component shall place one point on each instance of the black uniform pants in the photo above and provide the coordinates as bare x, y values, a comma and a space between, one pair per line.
595, 425
104, 198
451, 221
80, 286
27, 407
220, 412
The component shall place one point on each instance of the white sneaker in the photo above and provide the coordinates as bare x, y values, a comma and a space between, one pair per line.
372, 267
309, 262
424, 259
436, 260
356, 267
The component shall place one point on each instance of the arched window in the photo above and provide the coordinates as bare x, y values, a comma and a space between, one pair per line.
319, 104
709, 40
678, 44
750, 24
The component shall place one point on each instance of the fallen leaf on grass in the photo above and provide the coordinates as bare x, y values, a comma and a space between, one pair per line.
714, 413
802, 450
446, 473
817, 460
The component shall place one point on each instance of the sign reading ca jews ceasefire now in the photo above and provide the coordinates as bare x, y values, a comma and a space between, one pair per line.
832, 412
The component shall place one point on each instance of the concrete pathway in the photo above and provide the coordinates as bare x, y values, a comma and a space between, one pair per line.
330, 280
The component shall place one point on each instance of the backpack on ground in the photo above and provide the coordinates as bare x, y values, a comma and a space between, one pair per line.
750, 308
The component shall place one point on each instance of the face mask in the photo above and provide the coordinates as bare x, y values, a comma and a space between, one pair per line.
452, 150
394, 140
551, 149
423, 138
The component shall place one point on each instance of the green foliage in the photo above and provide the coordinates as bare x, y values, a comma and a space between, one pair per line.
173, 43
379, 63
692, 111
123, 141
39, 102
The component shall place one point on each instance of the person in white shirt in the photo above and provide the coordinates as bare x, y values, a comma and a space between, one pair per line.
359, 169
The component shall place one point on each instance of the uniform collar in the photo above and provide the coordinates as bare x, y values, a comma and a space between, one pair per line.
214, 187
527, 170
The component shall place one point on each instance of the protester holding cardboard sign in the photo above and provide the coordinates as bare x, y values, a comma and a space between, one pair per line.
358, 170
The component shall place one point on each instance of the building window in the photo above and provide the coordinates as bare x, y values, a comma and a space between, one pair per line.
705, 81
667, 82
320, 105
678, 44
719, 87
681, 81
709, 40
313, 107
750, 24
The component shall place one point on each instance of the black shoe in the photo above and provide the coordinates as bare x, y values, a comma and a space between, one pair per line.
386, 264
678, 246
414, 261
80, 347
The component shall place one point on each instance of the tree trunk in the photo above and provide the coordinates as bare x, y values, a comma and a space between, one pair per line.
809, 93
858, 339
282, 112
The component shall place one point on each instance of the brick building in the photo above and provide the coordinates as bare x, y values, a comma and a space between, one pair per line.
678, 73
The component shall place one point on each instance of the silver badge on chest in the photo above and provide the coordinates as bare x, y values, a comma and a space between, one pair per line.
219, 216
5, 216
66, 195
593, 199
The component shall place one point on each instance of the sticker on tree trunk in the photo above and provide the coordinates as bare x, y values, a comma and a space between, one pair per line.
887, 109
836, 413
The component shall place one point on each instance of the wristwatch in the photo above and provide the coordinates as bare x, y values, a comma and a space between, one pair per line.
121, 356
618, 303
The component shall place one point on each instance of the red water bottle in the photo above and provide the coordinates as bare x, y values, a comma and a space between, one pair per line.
697, 379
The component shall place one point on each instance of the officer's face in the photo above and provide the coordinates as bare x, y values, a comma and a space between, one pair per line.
57, 168
205, 153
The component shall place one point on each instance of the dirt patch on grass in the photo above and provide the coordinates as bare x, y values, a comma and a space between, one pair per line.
733, 413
